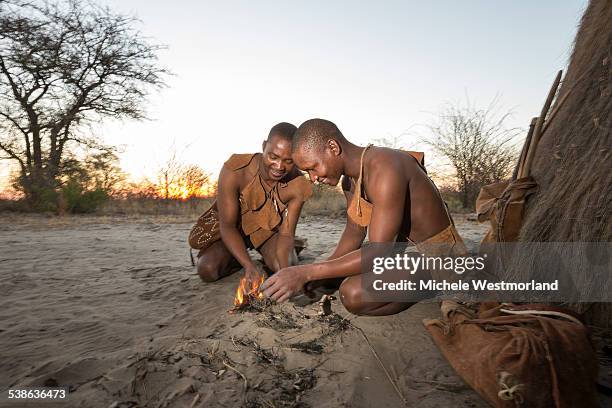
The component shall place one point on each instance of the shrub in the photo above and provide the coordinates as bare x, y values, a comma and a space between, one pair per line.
76, 200
325, 201
46, 200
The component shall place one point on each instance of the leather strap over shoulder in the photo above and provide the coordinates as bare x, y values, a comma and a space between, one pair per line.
419, 156
359, 183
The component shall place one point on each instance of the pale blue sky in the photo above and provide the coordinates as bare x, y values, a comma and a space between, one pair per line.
377, 69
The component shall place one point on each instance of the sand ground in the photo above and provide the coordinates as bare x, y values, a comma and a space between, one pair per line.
112, 309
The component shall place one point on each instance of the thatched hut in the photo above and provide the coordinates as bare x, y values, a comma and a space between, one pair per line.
572, 164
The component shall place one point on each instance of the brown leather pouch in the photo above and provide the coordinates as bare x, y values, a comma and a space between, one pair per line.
206, 230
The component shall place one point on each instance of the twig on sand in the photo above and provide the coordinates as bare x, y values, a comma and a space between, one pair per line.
215, 348
195, 401
397, 390
246, 384
301, 334
268, 403
441, 385
234, 343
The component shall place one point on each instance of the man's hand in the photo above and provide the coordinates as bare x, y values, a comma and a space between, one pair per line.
253, 275
285, 283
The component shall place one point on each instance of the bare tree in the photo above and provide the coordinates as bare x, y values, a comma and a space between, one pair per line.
393, 142
193, 179
141, 189
65, 65
478, 145
177, 180
168, 174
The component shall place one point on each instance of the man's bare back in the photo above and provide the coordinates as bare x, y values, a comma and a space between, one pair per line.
424, 215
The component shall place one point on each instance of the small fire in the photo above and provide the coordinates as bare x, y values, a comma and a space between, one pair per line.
245, 294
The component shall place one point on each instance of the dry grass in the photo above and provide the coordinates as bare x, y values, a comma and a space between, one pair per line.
572, 160
191, 208
326, 200
113, 211
452, 198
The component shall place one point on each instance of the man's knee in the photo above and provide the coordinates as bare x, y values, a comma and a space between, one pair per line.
272, 263
207, 269
350, 296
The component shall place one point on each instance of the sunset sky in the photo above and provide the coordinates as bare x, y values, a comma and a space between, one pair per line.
377, 69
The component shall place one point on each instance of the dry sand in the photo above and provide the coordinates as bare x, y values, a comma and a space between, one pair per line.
114, 311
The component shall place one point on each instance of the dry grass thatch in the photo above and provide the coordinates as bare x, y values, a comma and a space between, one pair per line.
572, 162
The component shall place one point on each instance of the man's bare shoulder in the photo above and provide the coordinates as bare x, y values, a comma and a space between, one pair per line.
387, 162
235, 169
299, 188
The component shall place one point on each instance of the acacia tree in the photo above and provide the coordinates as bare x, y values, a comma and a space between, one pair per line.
97, 170
477, 144
64, 66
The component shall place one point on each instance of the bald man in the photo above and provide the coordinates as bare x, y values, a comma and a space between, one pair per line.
389, 197
259, 200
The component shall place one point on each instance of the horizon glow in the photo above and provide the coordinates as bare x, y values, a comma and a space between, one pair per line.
378, 70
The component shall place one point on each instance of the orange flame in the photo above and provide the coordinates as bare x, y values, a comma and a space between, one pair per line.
244, 293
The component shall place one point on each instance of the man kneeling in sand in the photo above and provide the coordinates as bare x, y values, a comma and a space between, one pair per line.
259, 200
387, 192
